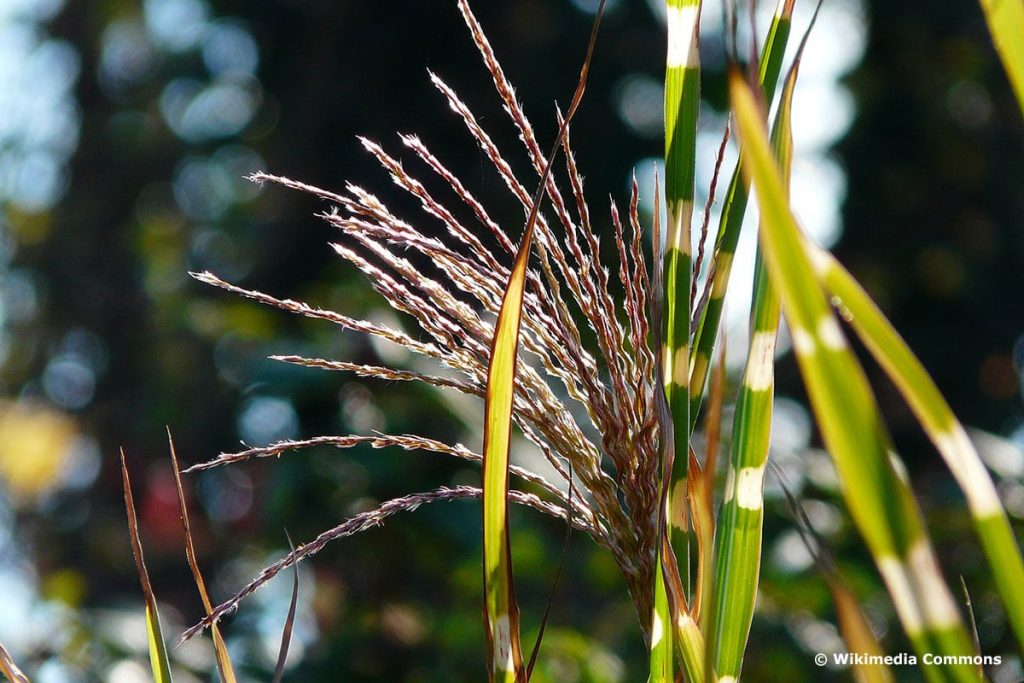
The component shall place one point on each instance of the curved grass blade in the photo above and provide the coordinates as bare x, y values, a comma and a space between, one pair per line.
734, 209
157, 649
501, 612
289, 622
10, 669
940, 424
1006, 23
220, 648
878, 496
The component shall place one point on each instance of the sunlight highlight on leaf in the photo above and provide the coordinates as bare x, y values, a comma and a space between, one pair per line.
1006, 22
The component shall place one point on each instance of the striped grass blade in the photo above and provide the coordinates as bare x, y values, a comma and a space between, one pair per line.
157, 649
733, 211
682, 103
908, 374
672, 626
1006, 23
738, 555
220, 648
878, 496
501, 612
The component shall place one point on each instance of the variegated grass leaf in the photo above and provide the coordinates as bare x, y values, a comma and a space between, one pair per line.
940, 424
738, 551
708, 317
682, 104
874, 484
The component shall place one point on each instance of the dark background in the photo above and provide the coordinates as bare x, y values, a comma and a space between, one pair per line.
932, 218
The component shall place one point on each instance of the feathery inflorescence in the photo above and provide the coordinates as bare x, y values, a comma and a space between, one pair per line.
612, 444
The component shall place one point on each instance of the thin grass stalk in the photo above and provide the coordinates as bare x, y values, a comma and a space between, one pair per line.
876, 492
731, 222
945, 431
702, 495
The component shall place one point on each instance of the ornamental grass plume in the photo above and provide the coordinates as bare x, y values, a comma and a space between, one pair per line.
614, 457
614, 416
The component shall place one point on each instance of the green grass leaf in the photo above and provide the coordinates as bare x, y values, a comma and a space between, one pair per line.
940, 424
738, 551
877, 493
733, 211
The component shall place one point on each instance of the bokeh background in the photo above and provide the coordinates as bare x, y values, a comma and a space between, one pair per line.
125, 131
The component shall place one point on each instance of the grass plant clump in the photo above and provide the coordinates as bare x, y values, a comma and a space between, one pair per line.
607, 367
